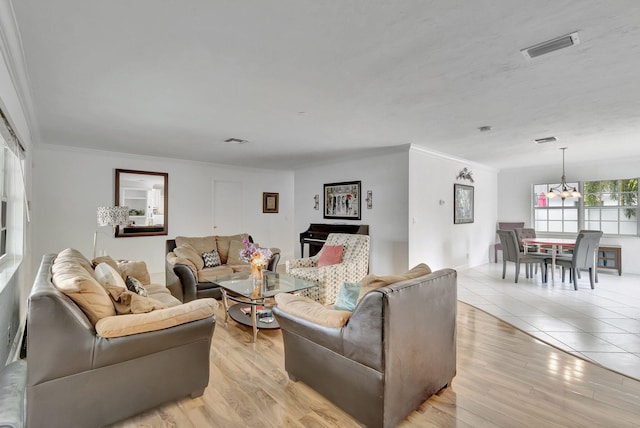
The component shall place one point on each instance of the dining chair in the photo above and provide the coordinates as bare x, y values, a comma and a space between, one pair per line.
527, 232
511, 253
504, 226
583, 257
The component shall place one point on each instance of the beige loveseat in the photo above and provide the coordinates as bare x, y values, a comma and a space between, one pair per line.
185, 273
97, 354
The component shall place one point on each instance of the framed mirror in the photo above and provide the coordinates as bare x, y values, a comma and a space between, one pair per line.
146, 194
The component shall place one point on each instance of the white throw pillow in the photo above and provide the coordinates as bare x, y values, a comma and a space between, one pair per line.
107, 275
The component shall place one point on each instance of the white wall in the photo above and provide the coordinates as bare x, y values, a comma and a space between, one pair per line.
69, 184
433, 237
386, 176
517, 207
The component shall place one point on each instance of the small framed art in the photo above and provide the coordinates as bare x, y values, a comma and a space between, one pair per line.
270, 202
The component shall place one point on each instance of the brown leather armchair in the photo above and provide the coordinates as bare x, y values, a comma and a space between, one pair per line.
397, 349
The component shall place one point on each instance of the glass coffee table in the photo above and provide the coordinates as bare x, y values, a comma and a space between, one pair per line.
239, 287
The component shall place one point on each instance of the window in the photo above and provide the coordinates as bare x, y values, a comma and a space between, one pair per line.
608, 205
611, 206
12, 198
554, 215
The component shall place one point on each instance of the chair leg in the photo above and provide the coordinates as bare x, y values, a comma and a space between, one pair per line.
562, 273
504, 268
575, 283
591, 278
495, 254
517, 272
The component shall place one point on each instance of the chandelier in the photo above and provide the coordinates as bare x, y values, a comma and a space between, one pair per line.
562, 190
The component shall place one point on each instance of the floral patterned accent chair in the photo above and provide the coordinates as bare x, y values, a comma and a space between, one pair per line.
354, 266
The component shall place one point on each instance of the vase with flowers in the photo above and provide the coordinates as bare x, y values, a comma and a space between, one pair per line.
258, 259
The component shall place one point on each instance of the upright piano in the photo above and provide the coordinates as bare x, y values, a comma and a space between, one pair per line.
316, 234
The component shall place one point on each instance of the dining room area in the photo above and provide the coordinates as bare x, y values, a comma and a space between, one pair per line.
571, 293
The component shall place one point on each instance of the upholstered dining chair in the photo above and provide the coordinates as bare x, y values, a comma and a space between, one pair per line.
511, 253
504, 226
583, 257
352, 267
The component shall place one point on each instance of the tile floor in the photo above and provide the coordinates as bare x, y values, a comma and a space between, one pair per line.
601, 325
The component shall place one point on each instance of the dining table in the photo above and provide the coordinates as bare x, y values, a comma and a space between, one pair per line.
556, 245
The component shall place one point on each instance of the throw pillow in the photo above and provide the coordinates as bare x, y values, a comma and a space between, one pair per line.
136, 269
233, 258
136, 286
347, 296
190, 253
331, 255
107, 275
211, 259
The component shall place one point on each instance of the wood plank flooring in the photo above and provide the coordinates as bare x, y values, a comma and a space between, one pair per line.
505, 378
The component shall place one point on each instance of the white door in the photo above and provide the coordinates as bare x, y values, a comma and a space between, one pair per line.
228, 207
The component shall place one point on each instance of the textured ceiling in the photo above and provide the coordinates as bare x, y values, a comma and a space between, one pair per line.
307, 80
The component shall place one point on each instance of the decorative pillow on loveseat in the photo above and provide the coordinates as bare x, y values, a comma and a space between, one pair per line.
211, 259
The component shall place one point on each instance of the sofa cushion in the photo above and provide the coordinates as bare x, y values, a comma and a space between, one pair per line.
127, 302
204, 244
73, 255
188, 252
234, 257
211, 259
136, 269
124, 325
311, 310
223, 242
105, 259
331, 255
240, 268
371, 282
173, 259
80, 286
206, 274
107, 275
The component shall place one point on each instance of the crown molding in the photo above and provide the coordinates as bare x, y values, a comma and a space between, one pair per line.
13, 54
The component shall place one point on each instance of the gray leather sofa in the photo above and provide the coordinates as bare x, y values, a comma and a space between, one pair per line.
397, 349
76, 378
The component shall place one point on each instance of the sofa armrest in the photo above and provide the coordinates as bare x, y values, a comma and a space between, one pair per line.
302, 263
329, 337
125, 325
181, 281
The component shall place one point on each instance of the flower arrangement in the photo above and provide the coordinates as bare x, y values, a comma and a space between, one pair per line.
254, 255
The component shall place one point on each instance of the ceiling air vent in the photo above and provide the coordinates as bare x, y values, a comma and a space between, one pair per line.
235, 141
551, 45
545, 140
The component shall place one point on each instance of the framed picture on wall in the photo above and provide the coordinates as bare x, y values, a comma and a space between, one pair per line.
342, 200
462, 204
270, 202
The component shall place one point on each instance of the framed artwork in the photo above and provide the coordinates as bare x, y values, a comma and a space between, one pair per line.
270, 202
462, 204
342, 200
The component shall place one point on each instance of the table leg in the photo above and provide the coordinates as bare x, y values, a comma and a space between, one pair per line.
254, 323
225, 304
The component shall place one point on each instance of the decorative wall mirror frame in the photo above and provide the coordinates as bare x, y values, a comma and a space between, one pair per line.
147, 196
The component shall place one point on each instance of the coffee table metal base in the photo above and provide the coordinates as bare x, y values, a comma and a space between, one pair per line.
235, 312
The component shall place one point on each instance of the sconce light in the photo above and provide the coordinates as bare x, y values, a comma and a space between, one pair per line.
369, 199
316, 202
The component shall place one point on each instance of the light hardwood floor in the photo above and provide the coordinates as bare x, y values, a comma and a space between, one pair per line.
505, 378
